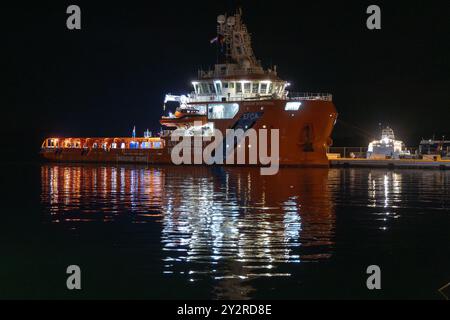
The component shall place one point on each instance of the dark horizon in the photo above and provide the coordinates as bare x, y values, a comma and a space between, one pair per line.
114, 72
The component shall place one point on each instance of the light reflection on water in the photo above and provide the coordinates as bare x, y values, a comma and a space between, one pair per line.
225, 223
232, 225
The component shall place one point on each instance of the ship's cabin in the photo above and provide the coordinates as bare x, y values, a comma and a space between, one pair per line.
103, 143
237, 90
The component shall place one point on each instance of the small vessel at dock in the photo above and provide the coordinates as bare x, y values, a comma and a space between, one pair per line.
387, 147
390, 153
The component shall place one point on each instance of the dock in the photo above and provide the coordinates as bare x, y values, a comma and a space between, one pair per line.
390, 163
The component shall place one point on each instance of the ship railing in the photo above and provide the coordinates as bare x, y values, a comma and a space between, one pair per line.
234, 72
310, 96
193, 97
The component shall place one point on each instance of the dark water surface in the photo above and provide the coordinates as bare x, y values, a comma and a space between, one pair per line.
221, 233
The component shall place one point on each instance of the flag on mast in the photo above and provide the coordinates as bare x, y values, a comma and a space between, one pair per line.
134, 131
219, 39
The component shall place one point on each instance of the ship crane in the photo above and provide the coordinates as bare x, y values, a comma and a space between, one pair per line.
182, 100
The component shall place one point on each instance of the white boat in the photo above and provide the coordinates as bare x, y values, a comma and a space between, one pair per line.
387, 147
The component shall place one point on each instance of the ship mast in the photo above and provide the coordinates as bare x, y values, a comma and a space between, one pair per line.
236, 40
235, 53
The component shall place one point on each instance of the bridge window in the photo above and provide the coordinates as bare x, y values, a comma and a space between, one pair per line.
278, 88
263, 88
247, 86
134, 145
223, 110
201, 109
255, 87
238, 87
218, 86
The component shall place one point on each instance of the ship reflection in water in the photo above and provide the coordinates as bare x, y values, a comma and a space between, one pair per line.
223, 223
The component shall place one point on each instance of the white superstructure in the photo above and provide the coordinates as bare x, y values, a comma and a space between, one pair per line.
387, 147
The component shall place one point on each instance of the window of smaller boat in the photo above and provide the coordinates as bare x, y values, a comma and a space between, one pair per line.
238, 87
231, 85
271, 88
263, 88
225, 85
255, 86
156, 145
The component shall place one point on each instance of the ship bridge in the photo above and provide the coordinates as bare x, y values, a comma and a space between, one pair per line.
238, 75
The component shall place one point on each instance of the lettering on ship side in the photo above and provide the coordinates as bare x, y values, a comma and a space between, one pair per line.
126, 158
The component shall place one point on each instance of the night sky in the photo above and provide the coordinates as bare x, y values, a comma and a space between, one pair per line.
114, 72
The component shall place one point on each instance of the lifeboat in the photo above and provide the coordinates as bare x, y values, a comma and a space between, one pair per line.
184, 117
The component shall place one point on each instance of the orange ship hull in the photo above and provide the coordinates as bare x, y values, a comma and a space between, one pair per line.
304, 137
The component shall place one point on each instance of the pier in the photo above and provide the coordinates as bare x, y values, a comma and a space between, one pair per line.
355, 157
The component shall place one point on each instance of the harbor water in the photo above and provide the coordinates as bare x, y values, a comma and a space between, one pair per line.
223, 233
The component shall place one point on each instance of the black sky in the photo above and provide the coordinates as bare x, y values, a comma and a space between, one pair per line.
114, 73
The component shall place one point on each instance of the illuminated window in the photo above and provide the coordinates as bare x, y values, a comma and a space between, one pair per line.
247, 86
223, 110
134, 145
218, 86
238, 87
278, 88
255, 87
292, 106
263, 88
